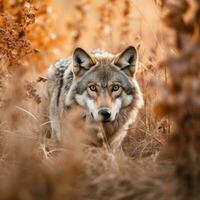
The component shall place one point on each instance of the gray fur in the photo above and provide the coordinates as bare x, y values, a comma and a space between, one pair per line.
103, 75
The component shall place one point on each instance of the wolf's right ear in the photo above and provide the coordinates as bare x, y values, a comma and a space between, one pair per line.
81, 61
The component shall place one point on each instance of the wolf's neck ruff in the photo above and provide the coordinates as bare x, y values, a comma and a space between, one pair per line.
102, 84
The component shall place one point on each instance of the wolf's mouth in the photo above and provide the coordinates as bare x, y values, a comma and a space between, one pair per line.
106, 121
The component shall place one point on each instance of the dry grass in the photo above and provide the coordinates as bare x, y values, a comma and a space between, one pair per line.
162, 149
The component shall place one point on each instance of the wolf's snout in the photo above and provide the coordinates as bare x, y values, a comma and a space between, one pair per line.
104, 114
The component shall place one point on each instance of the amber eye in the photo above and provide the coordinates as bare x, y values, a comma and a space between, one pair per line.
93, 88
115, 88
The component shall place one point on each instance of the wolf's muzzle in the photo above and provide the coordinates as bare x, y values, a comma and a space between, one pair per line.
104, 114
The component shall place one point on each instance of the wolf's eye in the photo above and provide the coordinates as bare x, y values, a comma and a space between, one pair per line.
93, 88
115, 88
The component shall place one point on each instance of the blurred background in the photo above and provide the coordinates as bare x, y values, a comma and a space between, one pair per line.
109, 25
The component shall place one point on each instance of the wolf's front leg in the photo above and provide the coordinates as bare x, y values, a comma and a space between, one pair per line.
54, 116
116, 143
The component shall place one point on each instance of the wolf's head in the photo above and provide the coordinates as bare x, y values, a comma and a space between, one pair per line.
104, 83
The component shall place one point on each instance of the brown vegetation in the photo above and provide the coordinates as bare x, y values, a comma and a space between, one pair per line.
162, 149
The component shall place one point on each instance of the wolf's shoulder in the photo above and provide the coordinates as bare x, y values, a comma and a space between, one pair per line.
58, 69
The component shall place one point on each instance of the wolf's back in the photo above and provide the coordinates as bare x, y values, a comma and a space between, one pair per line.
56, 72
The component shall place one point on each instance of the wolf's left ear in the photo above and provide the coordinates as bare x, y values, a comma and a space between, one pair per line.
126, 60
81, 61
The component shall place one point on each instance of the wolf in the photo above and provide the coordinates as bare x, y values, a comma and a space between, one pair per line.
101, 83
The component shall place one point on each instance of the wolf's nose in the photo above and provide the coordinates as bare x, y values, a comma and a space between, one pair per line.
105, 113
